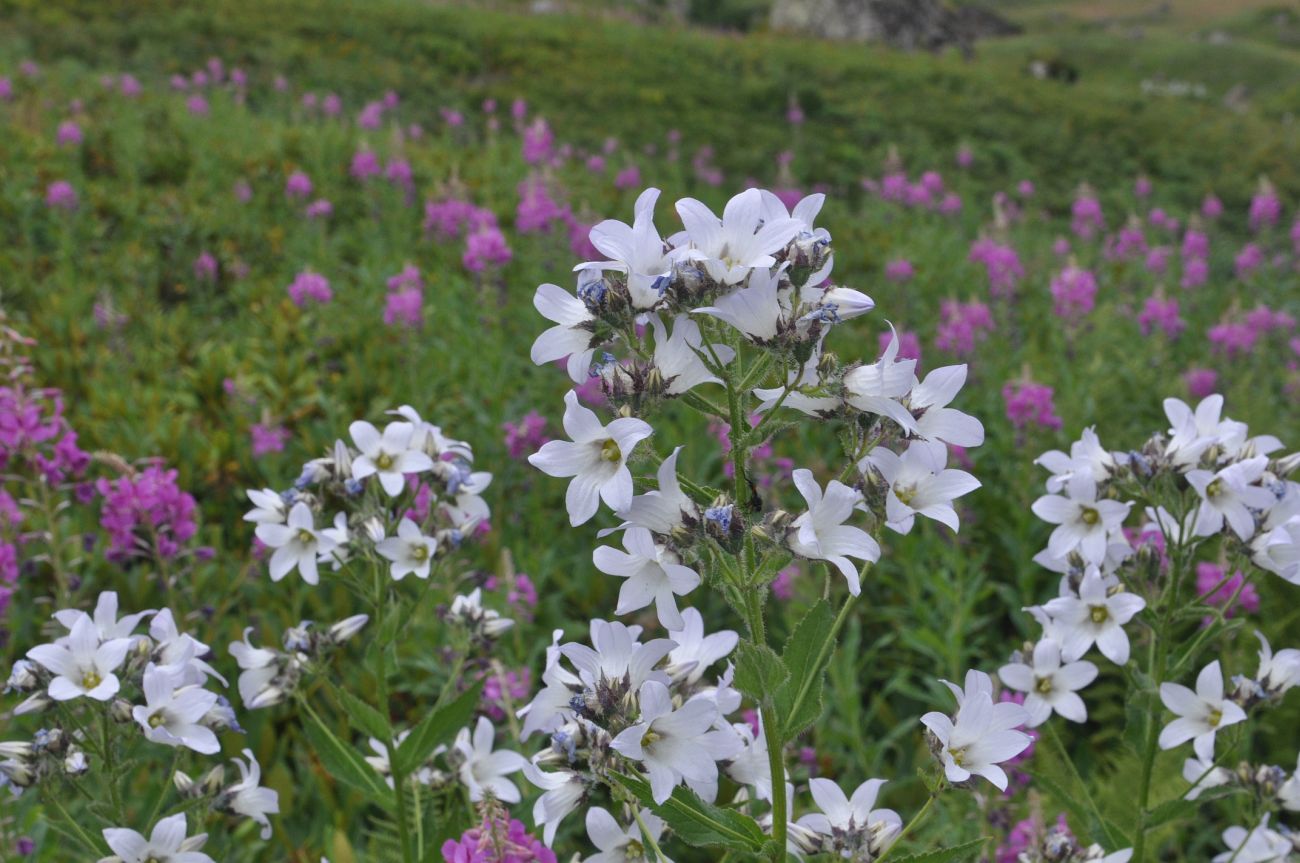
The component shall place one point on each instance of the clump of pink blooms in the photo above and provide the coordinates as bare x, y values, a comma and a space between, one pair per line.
298, 185
1248, 260
146, 512
266, 439
450, 217
900, 270
1129, 243
1237, 334
538, 143
404, 305
1001, 263
69, 134
962, 326
60, 195
1029, 403
205, 267
525, 437
1161, 313
1230, 592
1201, 382
486, 248
1086, 219
537, 209
365, 165
1265, 207
909, 344
1074, 293
308, 286
498, 839
505, 691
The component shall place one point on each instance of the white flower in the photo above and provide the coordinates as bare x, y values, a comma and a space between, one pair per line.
410, 551
677, 357
981, 735
572, 334
838, 304
468, 609
260, 667
107, 623
1276, 546
1260, 844
653, 575
563, 791
1204, 775
804, 391
820, 533
854, 821
675, 745
268, 507
935, 421
379, 761
1096, 616
805, 213
340, 536
750, 766
180, 652
878, 388
248, 798
663, 509
919, 484
170, 715
297, 544
1200, 714
167, 843
695, 651
616, 657
389, 456
636, 250
1082, 522
1191, 434
618, 845
81, 663
1279, 671
1289, 794
485, 770
1229, 496
731, 247
1086, 456
549, 708
754, 310
596, 458
1050, 685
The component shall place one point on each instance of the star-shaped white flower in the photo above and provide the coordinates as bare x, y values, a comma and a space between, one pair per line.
268, 507
852, 821
617, 844
1200, 714
297, 544
879, 388
821, 534
695, 651
389, 456
249, 798
596, 457
677, 357
1260, 844
919, 484
636, 250
980, 736
1082, 521
1050, 685
484, 770
167, 843
171, 715
1095, 616
730, 248
81, 663
570, 337
935, 421
653, 575
1229, 495
410, 551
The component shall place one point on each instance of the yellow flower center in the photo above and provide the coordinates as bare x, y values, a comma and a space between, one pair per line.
419, 552
610, 452
1089, 516
905, 494
1214, 489
1215, 717
958, 756
90, 679
383, 461
650, 738
1043, 685
634, 850
305, 536
1099, 614
156, 720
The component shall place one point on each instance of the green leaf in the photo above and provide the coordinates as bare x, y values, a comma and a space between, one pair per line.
362, 716
759, 671
437, 728
342, 761
799, 699
697, 823
964, 851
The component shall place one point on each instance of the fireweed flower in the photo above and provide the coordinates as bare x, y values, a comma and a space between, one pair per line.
1050, 685
596, 458
1029, 402
82, 663
1201, 714
980, 736
821, 534
1095, 616
167, 844
297, 544
60, 195
1074, 293
675, 745
310, 286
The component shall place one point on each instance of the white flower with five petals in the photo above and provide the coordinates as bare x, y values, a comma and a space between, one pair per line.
821, 534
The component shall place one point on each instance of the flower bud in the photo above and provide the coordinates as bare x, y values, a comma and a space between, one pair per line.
342, 460
22, 677
16, 749
374, 528
75, 762
37, 703
120, 710
346, 628
184, 784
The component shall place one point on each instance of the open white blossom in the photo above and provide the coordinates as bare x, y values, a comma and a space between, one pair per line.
484, 770
171, 715
852, 822
81, 663
107, 623
1082, 521
821, 534
1259, 844
695, 651
249, 798
636, 250
732, 247
919, 483
411, 552
980, 736
755, 310
596, 458
677, 357
1228, 496
1204, 775
563, 791
618, 845
297, 544
1201, 714
390, 456
166, 844
1050, 685
1087, 457
675, 745
935, 421
268, 507
879, 388
1192, 433
1095, 616
652, 574
663, 509
572, 334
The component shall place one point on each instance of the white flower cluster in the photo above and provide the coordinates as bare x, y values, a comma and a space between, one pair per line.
157, 681
408, 493
664, 319
1205, 479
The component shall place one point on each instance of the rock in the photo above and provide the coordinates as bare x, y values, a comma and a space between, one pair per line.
908, 24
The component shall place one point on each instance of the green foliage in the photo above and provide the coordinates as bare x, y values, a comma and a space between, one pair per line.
699, 824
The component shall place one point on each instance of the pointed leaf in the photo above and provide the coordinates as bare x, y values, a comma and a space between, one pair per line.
759, 671
342, 761
437, 728
799, 699
698, 823
965, 851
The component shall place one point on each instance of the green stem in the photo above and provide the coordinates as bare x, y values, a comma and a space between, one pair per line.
110, 766
648, 836
381, 674
74, 826
776, 763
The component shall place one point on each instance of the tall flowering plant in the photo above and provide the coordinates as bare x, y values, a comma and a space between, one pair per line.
730, 318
